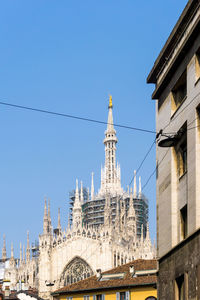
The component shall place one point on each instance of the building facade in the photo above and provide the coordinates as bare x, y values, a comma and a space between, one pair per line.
105, 230
176, 74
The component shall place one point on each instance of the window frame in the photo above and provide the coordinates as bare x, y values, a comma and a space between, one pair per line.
197, 65
181, 151
184, 222
179, 92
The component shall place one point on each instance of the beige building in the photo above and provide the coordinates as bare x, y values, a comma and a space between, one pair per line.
176, 75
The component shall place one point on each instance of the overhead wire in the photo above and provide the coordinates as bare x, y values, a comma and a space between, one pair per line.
74, 117
146, 183
94, 121
142, 162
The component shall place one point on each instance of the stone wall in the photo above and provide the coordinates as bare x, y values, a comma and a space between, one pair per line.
184, 260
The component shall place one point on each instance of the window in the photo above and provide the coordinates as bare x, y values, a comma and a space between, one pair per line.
179, 92
183, 158
99, 297
86, 297
69, 298
197, 64
123, 295
151, 298
183, 217
179, 288
181, 151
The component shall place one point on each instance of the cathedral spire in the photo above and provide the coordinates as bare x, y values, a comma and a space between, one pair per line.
111, 172
140, 188
4, 256
59, 224
45, 219
28, 248
110, 126
131, 220
92, 187
147, 233
23, 253
131, 211
49, 214
81, 195
20, 255
76, 201
12, 251
135, 186
77, 211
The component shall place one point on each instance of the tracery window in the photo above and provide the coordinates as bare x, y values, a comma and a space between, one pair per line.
75, 270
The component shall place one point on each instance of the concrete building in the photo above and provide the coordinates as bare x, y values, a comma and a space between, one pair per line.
176, 75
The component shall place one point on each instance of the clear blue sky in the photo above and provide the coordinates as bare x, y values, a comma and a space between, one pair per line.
67, 56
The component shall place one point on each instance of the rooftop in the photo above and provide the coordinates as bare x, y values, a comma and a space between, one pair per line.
119, 277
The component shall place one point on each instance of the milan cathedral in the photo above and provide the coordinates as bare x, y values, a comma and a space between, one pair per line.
105, 230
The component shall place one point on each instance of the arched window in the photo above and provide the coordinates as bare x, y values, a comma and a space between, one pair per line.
76, 270
151, 298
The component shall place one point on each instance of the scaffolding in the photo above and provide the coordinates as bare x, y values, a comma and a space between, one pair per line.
93, 210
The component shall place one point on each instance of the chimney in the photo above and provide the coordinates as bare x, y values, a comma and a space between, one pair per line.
132, 270
98, 273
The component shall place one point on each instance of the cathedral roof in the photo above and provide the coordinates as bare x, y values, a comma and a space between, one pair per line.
119, 277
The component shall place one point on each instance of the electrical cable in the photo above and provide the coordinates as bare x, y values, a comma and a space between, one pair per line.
146, 183
154, 141
74, 117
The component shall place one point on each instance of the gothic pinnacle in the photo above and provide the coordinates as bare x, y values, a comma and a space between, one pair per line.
92, 187
76, 201
140, 187
28, 244
24, 253
28, 248
4, 247
45, 207
12, 251
20, 257
49, 214
59, 225
135, 186
81, 195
